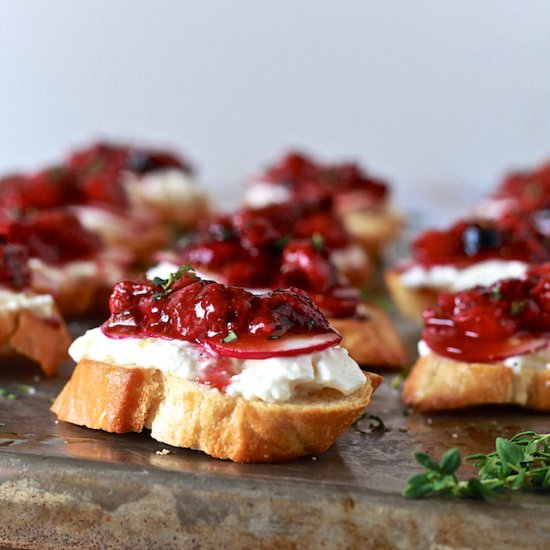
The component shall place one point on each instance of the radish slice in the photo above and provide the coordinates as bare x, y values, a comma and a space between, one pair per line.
473, 350
287, 346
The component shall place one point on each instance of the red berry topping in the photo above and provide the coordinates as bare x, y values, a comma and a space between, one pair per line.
276, 247
100, 170
529, 190
228, 319
14, 271
467, 242
511, 317
54, 236
346, 184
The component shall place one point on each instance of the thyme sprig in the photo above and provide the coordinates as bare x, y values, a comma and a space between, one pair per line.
522, 462
166, 284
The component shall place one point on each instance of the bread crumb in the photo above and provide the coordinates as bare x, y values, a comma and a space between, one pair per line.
163, 452
455, 436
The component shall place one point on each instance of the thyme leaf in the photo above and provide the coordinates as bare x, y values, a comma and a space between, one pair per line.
521, 462
166, 284
231, 337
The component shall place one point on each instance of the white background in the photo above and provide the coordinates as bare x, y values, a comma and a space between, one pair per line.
441, 97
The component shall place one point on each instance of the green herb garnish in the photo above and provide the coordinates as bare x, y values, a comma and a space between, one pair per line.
95, 165
8, 394
273, 337
281, 242
231, 337
522, 462
399, 378
317, 241
166, 284
518, 307
496, 293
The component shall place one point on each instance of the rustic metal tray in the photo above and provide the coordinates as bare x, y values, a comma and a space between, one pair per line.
62, 486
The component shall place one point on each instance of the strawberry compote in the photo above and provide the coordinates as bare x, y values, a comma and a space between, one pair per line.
509, 318
471, 241
348, 186
528, 191
54, 236
14, 271
101, 169
46, 189
229, 320
263, 249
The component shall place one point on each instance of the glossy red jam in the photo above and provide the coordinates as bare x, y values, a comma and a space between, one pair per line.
230, 320
346, 183
528, 190
54, 236
255, 251
47, 189
91, 176
468, 242
110, 156
100, 170
14, 270
511, 317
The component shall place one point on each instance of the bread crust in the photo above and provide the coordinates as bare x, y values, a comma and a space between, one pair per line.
44, 341
410, 301
372, 341
373, 228
184, 216
437, 383
357, 276
184, 413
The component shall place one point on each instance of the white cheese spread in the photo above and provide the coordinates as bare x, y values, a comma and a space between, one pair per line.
350, 257
538, 360
276, 379
70, 271
261, 194
40, 305
162, 187
456, 279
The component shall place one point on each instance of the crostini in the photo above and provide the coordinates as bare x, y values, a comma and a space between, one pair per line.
361, 201
489, 345
150, 182
239, 376
471, 252
66, 260
30, 323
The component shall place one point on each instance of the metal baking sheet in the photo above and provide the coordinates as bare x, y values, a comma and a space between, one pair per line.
62, 486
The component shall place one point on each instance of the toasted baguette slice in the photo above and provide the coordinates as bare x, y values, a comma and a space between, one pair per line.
372, 341
183, 212
373, 228
437, 383
357, 275
119, 230
410, 301
44, 341
79, 294
186, 414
